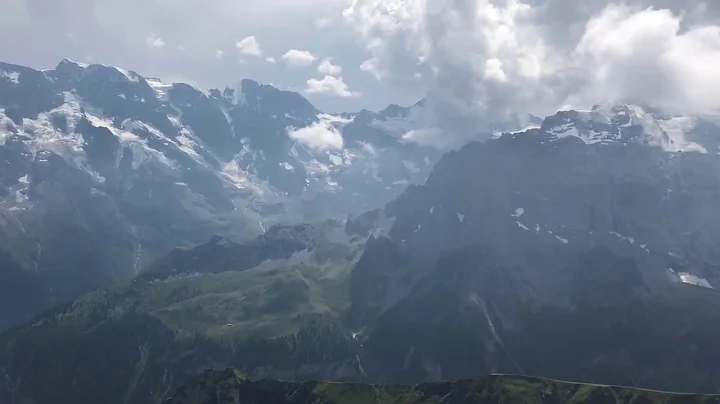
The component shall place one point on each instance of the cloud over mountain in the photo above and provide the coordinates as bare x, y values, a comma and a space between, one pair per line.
485, 61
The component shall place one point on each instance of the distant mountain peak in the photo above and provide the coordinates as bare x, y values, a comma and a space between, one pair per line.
115, 73
256, 94
69, 62
625, 123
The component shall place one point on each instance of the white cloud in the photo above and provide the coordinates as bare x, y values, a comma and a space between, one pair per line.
298, 58
428, 137
219, 53
319, 136
322, 22
644, 55
327, 68
249, 46
330, 85
154, 41
181, 48
484, 61
270, 59
370, 66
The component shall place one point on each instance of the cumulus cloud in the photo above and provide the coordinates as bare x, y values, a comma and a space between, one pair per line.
219, 53
270, 59
327, 68
487, 62
298, 58
319, 136
644, 55
330, 85
154, 41
249, 46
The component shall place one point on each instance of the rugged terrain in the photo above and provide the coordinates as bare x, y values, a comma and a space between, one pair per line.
230, 387
103, 170
584, 250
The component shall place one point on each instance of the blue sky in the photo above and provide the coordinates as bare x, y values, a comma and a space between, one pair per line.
197, 41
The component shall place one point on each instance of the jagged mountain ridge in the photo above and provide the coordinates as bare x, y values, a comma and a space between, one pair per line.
103, 170
530, 253
241, 132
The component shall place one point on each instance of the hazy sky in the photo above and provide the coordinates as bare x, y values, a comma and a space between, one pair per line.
212, 43
478, 60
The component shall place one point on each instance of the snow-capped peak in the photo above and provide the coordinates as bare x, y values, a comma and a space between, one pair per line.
625, 123
251, 144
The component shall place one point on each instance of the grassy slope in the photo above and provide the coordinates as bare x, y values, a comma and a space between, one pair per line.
135, 342
230, 387
258, 302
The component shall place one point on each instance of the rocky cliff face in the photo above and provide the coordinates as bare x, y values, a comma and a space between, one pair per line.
103, 170
582, 249
592, 225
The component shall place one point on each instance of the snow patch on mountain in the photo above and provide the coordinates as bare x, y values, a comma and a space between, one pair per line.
142, 151
161, 89
241, 179
497, 133
667, 132
624, 123
621, 237
42, 134
689, 278
5, 125
589, 137
131, 76
694, 280
13, 77
562, 240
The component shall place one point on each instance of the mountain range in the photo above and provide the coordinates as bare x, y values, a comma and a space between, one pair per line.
102, 171
580, 249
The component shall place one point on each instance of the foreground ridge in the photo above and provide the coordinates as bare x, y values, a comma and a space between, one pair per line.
232, 387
